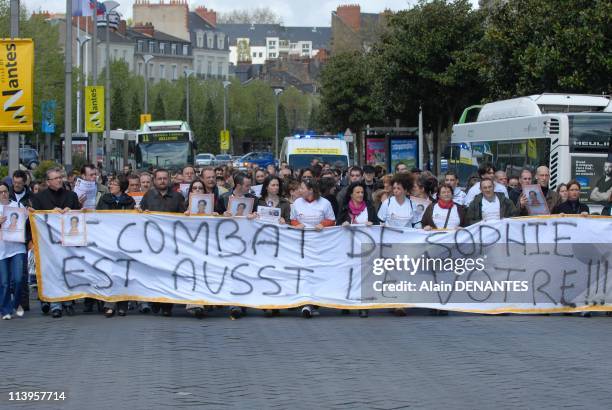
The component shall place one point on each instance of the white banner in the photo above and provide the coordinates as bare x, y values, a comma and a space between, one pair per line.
523, 265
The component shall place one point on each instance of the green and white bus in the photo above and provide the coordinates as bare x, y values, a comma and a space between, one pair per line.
569, 133
164, 144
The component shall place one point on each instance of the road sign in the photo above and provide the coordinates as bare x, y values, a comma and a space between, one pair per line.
145, 118
225, 140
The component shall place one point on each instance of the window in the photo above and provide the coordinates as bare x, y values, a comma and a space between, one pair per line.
199, 66
174, 72
124, 58
139, 68
209, 71
140, 45
272, 44
152, 46
185, 49
115, 54
260, 54
255, 55
305, 48
209, 39
162, 71
220, 69
162, 48
272, 55
173, 49
151, 70
220, 41
200, 39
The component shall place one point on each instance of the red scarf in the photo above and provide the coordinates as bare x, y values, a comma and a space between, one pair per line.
445, 204
355, 210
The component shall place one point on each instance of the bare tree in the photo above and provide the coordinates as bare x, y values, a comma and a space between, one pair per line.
259, 15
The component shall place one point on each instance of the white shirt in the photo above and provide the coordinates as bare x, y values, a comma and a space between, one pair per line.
312, 213
475, 190
491, 210
459, 196
362, 218
18, 196
439, 217
394, 214
8, 249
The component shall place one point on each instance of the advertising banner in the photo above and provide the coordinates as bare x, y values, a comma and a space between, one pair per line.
94, 108
16, 84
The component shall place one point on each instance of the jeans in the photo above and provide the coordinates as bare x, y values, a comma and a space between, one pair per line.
59, 305
11, 271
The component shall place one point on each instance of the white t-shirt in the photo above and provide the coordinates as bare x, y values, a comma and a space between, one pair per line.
459, 196
439, 217
475, 190
491, 210
362, 218
312, 213
394, 214
8, 249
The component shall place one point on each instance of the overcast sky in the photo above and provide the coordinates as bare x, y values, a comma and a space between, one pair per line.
292, 12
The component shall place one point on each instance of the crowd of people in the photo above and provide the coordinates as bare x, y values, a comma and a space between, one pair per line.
316, 197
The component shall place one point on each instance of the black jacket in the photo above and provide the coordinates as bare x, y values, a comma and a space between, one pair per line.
49, 199
109, 202
172, 201
25, 200
344, 215
571, 207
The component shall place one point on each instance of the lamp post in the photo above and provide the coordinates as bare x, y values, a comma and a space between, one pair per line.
81, 41
13, 137
226, 84
109, 6
277, 92
93, 152
146, 58
188, 73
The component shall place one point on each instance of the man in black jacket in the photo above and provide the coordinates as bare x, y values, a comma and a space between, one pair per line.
56, 198
209, 179
161, 198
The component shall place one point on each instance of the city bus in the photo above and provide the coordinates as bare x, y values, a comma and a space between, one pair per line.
164, 144
298, 151
569, 133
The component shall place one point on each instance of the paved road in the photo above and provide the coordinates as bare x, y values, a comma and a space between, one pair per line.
332, 361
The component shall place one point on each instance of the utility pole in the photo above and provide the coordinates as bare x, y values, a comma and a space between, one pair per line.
68, 96
13, 137
93, 152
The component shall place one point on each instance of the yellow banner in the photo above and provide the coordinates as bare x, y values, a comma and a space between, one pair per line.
144, 118
225, 140
94, 108
16, 80
320, 151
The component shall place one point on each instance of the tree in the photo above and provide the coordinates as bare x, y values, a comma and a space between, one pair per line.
259, 15
534, 46
118, 112
283, 126
159, 109
430, 57
208, 138
134, 120
346, 92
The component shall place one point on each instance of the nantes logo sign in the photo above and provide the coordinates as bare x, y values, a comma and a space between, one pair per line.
16, 80
94, 108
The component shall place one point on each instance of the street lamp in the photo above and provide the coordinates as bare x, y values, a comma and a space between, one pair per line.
277, 92
109, 6
188, 73
226, 84
81, 41
146, 58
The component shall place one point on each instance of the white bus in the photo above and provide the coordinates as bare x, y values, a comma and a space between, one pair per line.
164, 144
568, 133
298, 151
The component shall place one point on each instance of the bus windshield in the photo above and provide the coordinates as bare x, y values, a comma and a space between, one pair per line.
298, 161
166, 155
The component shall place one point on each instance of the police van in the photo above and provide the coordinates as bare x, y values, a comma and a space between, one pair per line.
299, 151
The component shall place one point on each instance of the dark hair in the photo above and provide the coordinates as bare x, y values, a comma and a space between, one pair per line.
84, 168
369, 169
443, 186
561, 186
451, 172
20, 174
304, 170
187, 166
157, 171
488, 180
73, 218
398, 164
240, 177
195, 181
312, 185
123, 183
14, 214
290, 185
573, 182
351, 188
264, 187
429, 183
326, 185
2, 183
484, 167
133, 176
405, 180
356, 168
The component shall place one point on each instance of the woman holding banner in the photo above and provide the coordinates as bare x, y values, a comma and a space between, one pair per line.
357, 210
311, 211
572, 206
271, 197
116, 199
444, 213
12, 259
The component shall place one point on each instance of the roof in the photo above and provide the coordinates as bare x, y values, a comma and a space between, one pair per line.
113, 36
198, 23
257, 33
157, 35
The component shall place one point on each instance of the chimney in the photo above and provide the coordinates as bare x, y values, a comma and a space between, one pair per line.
122, 28
210, 16
350, 14
146, 28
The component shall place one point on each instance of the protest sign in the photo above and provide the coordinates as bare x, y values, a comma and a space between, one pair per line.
89, 189
526, 265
